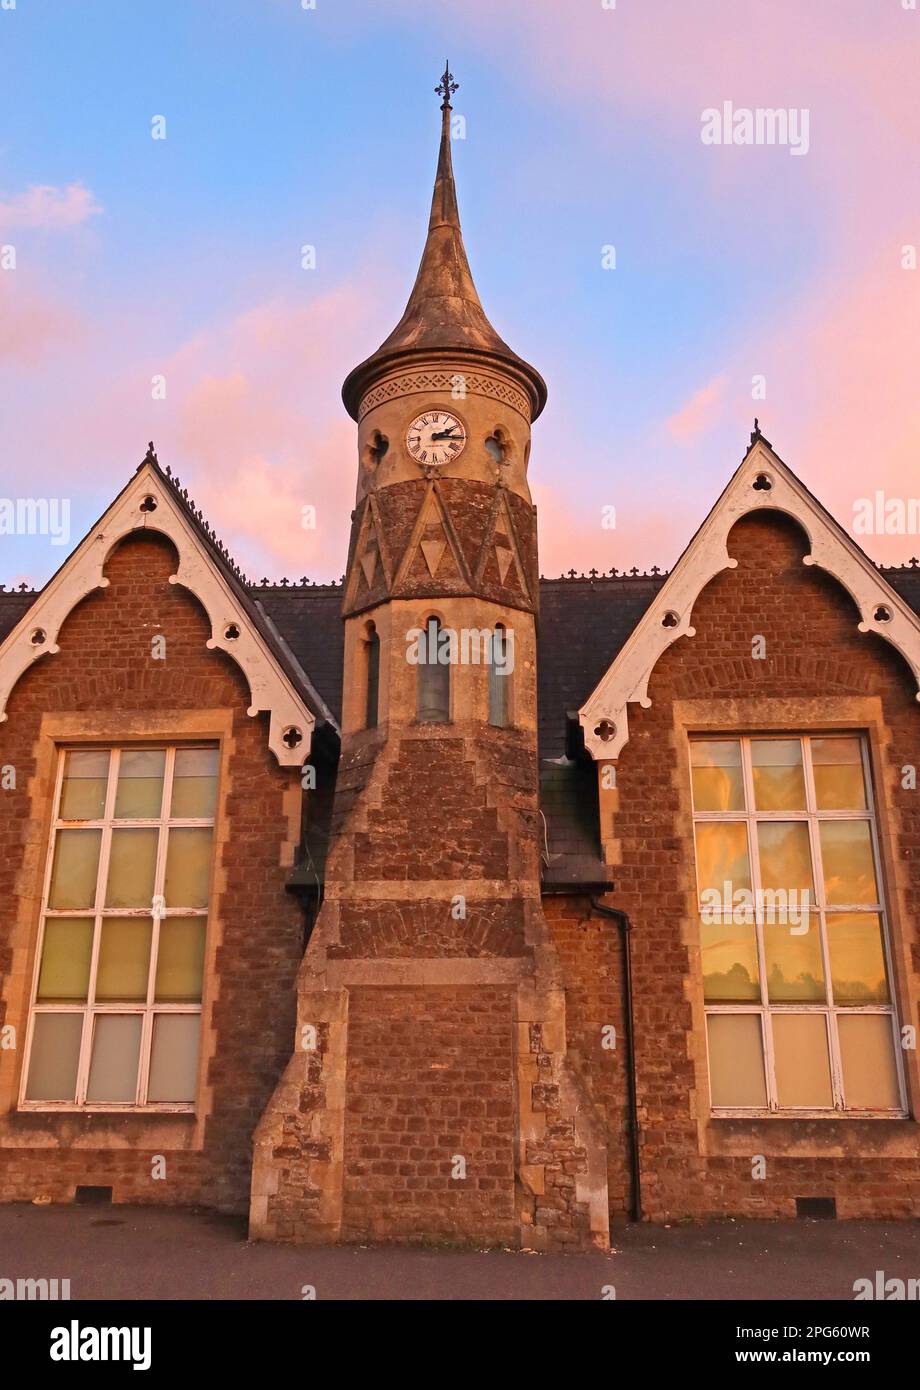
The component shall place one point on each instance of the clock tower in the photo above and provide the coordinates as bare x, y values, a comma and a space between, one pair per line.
444, 410
430, 1094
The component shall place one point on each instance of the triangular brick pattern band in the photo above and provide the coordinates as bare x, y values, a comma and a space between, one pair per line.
447, 536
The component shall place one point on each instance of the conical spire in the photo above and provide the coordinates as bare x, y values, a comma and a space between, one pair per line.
444, 211
444, 317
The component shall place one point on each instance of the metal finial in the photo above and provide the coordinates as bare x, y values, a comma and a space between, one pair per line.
446, 87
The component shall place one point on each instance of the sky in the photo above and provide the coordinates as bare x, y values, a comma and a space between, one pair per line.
773, 280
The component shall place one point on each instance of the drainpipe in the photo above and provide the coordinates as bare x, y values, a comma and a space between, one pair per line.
622, 921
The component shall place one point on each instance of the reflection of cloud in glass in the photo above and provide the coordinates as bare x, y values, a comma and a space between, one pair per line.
722, 855
785, 856
849, 868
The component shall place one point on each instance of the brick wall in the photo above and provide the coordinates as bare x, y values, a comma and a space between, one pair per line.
429, 1083
591, 955
431, 983
692, 1164
457, 837
104, 667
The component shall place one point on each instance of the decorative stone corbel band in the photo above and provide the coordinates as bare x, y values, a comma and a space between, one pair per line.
149, 503
763, 482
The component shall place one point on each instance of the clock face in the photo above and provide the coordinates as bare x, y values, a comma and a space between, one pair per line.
435, 438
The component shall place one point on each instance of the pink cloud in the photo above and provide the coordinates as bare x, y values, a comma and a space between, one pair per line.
251, 422
257, 425
32, 325
47, 208
580, 534
699, 413
289, 519
252, 417
857, 410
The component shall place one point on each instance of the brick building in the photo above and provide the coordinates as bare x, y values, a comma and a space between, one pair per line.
453, 902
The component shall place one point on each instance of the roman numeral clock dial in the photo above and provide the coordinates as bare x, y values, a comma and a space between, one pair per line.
435, 438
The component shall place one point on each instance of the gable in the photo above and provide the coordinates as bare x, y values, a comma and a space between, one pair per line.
152, 502
762, 482
585, 622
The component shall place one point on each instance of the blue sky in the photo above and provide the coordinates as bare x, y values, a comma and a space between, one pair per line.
288, 126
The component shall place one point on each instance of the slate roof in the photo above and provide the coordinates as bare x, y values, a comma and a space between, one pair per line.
905, 580
584, 621
583, 624
309, 617
12, 606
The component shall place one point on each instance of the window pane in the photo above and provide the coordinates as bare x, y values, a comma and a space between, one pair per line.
803, 1073
124, 959
140, 784
372, 693
718, 782
76, 861
839, 781
194, 792
849, 865
132, 866
870, 1077
67, 951
83, 787
188, 868
433, 675
795, 967
729, 958
174, 1058
785, 857
736, 1076
857, 958
433, 705
55, 1057
180, 960
722, 857
500, 667
779, 778
116, 1048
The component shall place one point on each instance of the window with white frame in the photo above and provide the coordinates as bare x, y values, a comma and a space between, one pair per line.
793, 937
116, 1003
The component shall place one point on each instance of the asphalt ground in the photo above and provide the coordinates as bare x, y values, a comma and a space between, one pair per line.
149, 1253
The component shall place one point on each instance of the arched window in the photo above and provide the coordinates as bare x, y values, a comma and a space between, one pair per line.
495, 447
372, 650
374, 450
433, 690
501, 664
